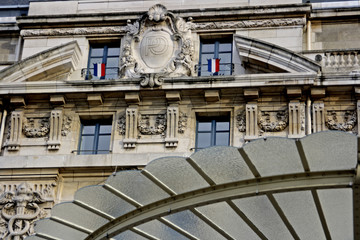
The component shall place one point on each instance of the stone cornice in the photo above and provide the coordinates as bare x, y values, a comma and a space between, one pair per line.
85, 86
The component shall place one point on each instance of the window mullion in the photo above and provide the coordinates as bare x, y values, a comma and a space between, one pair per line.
96, 138
213, 132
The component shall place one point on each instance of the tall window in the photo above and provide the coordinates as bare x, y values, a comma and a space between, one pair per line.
95, 137
212, 131
216, 49
103, 61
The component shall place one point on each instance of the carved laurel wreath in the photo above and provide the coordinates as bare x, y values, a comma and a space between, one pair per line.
349, 118
266, 125
33, 130
158, 128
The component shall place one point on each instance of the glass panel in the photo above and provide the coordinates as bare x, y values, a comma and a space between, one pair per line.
205, 57
225, 57
113, 51
97, 52
94, 60
160, 231
112, 62
204, 140
105, 129
222, 126
111, 73
225, 47
222, 139
204, 126
88, 129
87, 143
208, 47
104, 142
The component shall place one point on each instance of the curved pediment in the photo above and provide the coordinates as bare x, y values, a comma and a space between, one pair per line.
274, 57
53, 64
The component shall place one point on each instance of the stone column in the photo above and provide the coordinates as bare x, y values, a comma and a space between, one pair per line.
318, 116
131, 131
55, 129
296, 119
251, 121
172, 126
15, 131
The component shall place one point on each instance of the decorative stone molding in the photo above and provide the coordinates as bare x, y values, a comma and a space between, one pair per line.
66, 125
36, 127
251, 121
318, 117
172, 118
152, 124
131, 130
182, 124
157, 45
21, 207
267, 123
134, 27
55, 129
349, 118
296, 119
249, 24
121, 124
15, 131
241, 121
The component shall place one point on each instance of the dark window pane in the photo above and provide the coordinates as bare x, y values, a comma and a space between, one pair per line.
105, 129
205, 57
204, 140
204, 126
104, 142
112, 62
113, 51
208, 47
225, 47
97, 52
222, 126
225, 58
87, 143
94, 60
222, 139
88, 129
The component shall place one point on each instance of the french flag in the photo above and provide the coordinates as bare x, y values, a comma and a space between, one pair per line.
99, 69
214, 65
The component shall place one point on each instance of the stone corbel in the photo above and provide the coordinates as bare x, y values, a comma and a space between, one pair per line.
318, 116
15, 131
131, 130
172, 126
56, 118
296, 119
251, 121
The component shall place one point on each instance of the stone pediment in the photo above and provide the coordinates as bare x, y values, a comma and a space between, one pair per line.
157, 45
52, 64
271, 56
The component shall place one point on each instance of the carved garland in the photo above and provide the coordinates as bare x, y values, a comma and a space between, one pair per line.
349, 118
182, 123
266, 125
158, 128
36, 128
241, 121
66, 125
122, 125
20, 209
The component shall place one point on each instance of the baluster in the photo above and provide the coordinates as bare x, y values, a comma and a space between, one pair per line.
327, 59
349, 59
335, 63
341, 60
356, 60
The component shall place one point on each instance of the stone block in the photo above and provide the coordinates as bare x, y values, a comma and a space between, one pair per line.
294, 91
132, 97
18, 101
173, 96
318, 92
251, 93
57, 99
212, 95
95, 99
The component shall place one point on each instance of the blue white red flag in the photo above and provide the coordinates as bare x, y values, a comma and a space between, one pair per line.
214, 65
99, 69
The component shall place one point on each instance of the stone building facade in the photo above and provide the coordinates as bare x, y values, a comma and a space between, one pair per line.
287, 69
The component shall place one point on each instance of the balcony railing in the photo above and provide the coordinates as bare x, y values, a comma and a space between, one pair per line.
226, 69
111, 73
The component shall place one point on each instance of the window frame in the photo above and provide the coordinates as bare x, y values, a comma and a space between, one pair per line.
105, 45
216, 53
213, 131
95, 145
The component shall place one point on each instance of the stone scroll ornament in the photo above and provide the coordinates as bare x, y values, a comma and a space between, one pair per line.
157, 45
20, 209
269, 123
348, 124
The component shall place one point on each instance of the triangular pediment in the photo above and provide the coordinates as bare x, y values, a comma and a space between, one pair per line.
53, 64
271, 58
